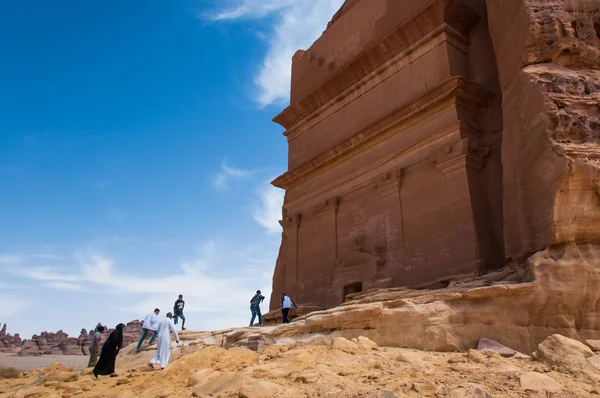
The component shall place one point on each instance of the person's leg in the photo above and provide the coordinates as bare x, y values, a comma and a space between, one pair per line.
175, 319
93, 357
182, 321
259, 316
284, 312
144, 334
153, 337
253, 316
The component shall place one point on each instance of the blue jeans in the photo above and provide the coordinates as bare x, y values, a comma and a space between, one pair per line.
178, 316
144, 334
255, 309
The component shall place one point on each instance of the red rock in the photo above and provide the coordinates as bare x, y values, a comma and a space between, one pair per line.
427, 140
9, 343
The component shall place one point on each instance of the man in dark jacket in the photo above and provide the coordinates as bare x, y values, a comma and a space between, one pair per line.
255, 308
178, 311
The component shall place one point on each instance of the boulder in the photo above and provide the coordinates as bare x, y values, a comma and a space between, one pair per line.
342, 344
488, 344
533, 381
568, 355
593, 344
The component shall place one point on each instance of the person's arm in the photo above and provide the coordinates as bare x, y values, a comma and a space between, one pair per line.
175, 307
294, 304
262, 298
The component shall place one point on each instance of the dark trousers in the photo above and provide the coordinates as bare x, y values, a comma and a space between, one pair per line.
255, 309
284, 313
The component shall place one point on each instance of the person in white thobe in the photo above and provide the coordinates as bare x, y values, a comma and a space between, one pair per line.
163, 351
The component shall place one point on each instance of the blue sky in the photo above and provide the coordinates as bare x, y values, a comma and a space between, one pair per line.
136, 150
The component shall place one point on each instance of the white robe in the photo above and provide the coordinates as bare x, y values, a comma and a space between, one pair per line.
163, 351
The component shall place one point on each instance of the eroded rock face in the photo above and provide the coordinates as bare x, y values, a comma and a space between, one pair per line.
60, 343
342, 368
9, 343
381, 193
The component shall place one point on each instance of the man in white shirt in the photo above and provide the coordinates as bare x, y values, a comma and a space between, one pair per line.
286, 305
150, 325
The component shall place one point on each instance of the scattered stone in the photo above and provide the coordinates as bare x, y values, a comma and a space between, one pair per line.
593, 344
367, 343
490, 353
307, 377
383, 394
569, 356
476, 356
262, 389
533, 381
469, 390
343, 344
457, 359
594, 361
488, 344
121, 382
199, 377
425, 389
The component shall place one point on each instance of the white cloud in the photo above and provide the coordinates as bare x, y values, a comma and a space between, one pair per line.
9, 307
297, 25
222, 179
252, 9
10, 259
219, 280
267, 211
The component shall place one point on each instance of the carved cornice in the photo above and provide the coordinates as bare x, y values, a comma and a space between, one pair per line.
291, 223
462, 155
450, 90
388, 183
436, 15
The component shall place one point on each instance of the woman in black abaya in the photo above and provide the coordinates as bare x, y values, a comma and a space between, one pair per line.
108, 356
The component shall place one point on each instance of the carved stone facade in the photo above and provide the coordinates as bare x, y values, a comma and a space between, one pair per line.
395, 134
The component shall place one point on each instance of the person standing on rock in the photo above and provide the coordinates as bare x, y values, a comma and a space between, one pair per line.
286, 305
163, 352
110, 350
178, 311
255, 308
95, 345
150, 325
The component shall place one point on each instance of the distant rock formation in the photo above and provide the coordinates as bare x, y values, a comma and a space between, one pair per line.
8, 343
60, 343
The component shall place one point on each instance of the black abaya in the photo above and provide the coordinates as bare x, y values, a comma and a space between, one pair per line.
108, 356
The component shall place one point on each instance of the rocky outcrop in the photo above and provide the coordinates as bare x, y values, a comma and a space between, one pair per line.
9, 343
380, 199
60, 343
342, 368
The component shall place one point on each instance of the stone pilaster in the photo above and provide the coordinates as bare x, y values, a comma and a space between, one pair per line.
327, 213
388, 185
290, 225
461, 163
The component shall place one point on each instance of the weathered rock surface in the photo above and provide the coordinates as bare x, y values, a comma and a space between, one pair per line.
344, 369
384, 189
9, 343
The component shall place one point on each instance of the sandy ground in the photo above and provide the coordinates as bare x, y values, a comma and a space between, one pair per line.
78, 362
